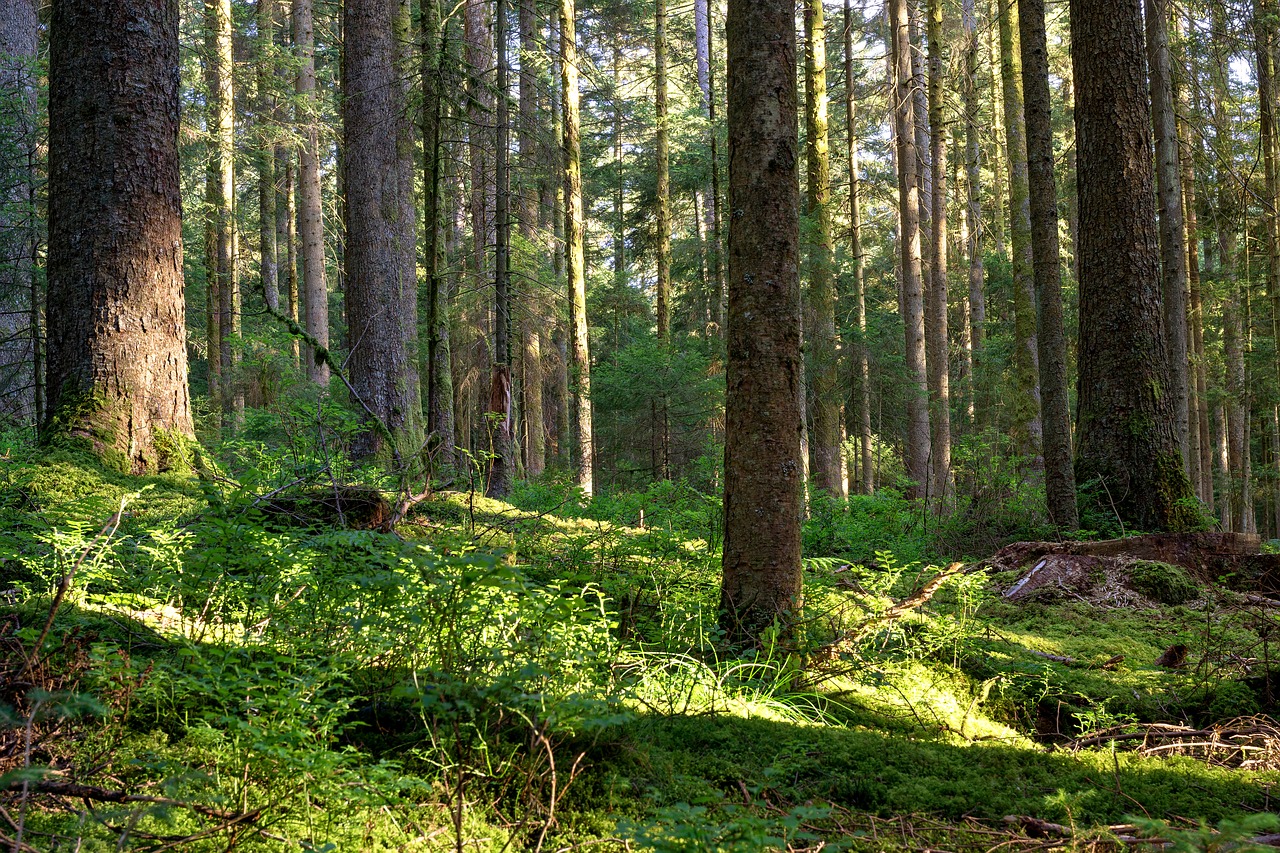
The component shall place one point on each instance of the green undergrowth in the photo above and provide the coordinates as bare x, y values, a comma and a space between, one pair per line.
548, 673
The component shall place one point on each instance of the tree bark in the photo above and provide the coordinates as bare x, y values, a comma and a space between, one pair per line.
575, 262
917, 447
268, 252
1127, 452
535, 434
1173, 255
117, 332
860, 424
1060, 483
19, 305
823, 375
973, 188
310, 218
1027, 425
762, 502
502, 460
936, 326
381, 285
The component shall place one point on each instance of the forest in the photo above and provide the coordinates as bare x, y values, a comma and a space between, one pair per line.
603, 425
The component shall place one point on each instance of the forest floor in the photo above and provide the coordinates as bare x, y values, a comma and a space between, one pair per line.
220, 674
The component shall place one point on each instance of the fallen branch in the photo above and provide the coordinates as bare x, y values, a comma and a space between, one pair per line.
105, 795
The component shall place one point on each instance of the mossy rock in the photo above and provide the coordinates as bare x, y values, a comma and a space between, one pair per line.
1163, 582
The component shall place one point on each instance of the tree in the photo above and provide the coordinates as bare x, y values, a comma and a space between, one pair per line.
575, 249
19, 306
315, 289
502, 459
223, 237
762, 500
1127, 453
117, 331
662, 213
828, 472
381, 285
858, 415
917, 446
1027, 426
973, 218
532, 325
1060, 484
936, 332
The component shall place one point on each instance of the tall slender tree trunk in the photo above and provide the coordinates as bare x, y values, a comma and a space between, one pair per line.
936, 326
438, 371
502, 460
1127, 453
381, 294
662, 214
762, 501
824, 377
20, 391
310, 218
218, 71
917, 448
535, 435
117, 331
860, 424
1060, 483
1265, 43
1173, 255
973, 188
1196, 324
580, 366
1027, 424
268, 251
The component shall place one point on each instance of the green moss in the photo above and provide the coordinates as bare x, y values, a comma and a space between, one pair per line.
1163, 582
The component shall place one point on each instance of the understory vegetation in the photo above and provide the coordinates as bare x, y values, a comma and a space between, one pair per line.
221, 661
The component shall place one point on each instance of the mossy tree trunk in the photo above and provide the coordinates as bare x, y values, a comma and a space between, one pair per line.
117, 331
1127, 452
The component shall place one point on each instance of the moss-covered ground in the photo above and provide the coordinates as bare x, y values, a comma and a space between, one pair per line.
545, 674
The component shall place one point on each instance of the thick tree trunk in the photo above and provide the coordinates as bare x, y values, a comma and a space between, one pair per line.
762, 501
381, 294
936, 326
117, 333
860, 422
1127, 452
917, 448
1060, 483
575, 262
19, 306
823, 375
310, 219
1027, 424
1173, 256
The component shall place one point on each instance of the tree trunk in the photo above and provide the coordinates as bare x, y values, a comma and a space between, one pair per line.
1127, 452
860, 424
823, 375
502, 459
534, 322
973, 187
19, 305
662, 214
381, 294
1264, 35
917, 448
267, 249
762, 501
1169, 188
575, 262
438, 372
1027, 425
1200, 411
936, 327
310, 219
117, 332
1060, 483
